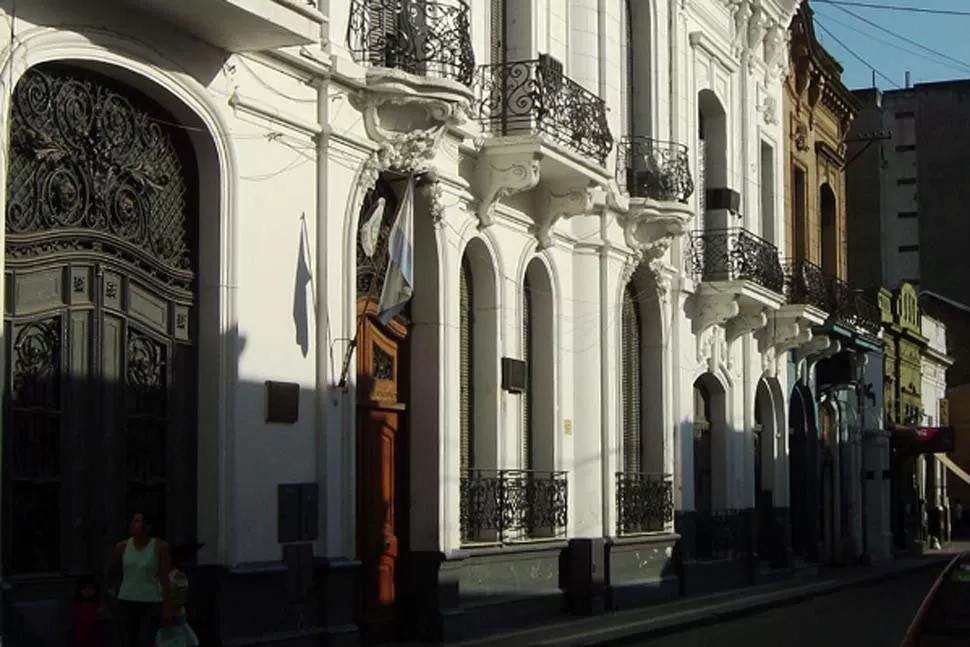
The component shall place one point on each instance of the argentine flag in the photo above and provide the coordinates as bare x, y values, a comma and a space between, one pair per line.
399, 279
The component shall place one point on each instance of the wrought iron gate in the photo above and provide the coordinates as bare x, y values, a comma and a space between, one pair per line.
99, 404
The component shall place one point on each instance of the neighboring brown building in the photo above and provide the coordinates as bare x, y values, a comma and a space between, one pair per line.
818, 111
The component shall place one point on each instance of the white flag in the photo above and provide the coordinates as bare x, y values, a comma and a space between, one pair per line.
372, 228
399, 278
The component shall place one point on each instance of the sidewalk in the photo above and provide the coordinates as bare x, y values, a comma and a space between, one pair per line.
694, 611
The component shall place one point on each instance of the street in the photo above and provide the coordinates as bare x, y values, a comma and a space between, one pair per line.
876, 616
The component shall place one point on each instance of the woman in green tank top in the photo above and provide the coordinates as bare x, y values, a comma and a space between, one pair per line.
144, 590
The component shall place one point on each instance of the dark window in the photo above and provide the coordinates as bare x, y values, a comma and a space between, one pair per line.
909, 248
467, 368
631, 382
906, 181
908, 214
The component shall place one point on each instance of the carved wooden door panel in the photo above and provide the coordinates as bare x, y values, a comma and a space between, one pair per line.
381, 420
99, 399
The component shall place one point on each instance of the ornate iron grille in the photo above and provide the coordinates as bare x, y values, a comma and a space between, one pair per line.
33, 440
735, 254
146, 400
852, 307
90, 170
416, 36
644, 502
719, 535
648, 168
535, 97
504, 506
806, 283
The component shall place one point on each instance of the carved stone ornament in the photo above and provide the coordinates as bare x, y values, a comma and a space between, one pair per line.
407, 117
501, 176
650, 232
800, 137
769, 110
554, 206
783, 335
818, 349
748, 320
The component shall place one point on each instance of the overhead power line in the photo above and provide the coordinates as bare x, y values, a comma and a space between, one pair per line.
905, 39
963, 69
889, 7
853, 54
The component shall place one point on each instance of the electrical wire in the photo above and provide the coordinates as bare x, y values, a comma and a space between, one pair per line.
888, 7
852, 53
904, 39
896, 46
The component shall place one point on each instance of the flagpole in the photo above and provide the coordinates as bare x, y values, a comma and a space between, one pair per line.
371, 290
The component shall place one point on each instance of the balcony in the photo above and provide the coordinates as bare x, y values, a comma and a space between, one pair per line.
420, 37
242, 25
644, 503
656, 175
654, 170
540, 124
736, 255
852, 307
509, 506
740, 280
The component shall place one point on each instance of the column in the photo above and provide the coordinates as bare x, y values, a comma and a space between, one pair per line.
589, 358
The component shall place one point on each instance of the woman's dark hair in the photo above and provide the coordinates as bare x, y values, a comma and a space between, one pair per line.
146, 516
86, 581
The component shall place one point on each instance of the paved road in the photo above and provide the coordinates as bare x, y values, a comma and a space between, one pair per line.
876, 616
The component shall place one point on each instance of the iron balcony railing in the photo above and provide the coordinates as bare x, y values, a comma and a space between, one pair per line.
417, 36
506, 506
521, 97
735, 254
806, 284
644, 502
648, 168
852, 307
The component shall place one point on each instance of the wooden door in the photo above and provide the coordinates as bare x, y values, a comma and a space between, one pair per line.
381, 426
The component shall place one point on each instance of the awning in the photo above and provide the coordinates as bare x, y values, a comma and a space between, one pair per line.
954, 468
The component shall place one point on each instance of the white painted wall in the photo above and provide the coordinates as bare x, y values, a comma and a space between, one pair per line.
257, 119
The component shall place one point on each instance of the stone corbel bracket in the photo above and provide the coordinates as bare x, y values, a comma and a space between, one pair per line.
501, 176
555, 206
708, 312
817, 349
784, 335
649, 233
748, 320
392, 104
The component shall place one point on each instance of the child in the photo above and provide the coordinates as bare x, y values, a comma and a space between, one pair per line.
89, 630
179, 634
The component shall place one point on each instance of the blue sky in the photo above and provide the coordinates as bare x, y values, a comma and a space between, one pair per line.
883, 50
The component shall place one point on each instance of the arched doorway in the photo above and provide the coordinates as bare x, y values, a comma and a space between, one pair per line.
802, 471
395, 514
763, 465
101, 274
829, 484
711, 502
383, 372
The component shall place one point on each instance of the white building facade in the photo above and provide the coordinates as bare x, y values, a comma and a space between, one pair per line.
934, 364
585, 395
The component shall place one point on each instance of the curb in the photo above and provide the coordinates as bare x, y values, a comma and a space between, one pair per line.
731, 610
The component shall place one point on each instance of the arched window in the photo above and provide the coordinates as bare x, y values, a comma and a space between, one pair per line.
528, 415
631, 382
466, 382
